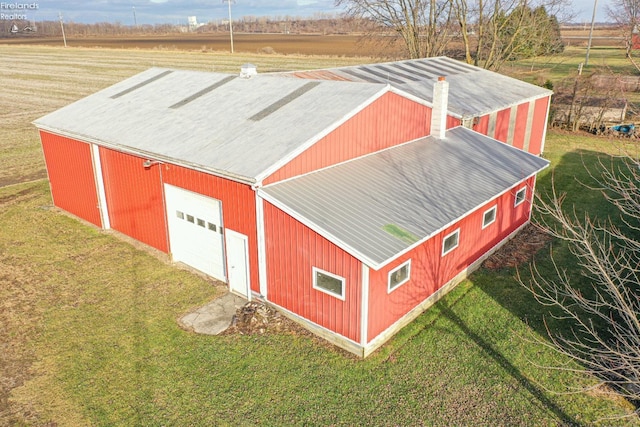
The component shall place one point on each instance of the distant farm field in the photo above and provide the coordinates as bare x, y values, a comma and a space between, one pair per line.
350, 45
290, 44
579, 36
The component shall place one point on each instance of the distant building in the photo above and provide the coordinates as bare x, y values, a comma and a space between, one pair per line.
193, 23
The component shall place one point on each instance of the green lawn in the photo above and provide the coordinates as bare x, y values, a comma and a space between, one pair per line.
561, 70
556, 67
96, 319
89, 336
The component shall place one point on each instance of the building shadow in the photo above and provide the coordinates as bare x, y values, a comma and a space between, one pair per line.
574, 174
505, 364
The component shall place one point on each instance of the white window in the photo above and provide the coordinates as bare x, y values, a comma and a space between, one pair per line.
399, 276
450, 242
328, 283
520, 196
489, 216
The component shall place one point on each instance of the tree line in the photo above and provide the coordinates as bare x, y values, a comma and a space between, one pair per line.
318, 24
487, 32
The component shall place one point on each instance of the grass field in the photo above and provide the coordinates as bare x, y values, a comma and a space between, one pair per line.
562, 70
557, 67
88, 331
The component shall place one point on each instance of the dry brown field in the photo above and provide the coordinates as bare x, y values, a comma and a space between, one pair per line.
289, 44
579, 36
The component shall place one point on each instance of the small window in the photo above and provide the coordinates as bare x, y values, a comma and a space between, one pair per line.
450, 242
220, 230
520, 196
211, 226
489, 217
328, 283
201, 222
180, 214
399, 276
190, 218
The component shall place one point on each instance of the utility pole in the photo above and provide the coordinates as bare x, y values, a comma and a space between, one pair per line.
593, 20
230, 25
135, 20
64, 38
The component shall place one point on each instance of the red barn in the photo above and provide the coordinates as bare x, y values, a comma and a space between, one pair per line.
351, 206
503, 108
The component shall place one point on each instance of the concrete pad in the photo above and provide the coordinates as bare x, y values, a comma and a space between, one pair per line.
215, 317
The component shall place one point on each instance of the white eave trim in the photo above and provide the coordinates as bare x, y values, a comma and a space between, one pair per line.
458, 219
511, 147
355, 159
507, 106
414, 98
359, 255
315, 227
147, 155
309, 143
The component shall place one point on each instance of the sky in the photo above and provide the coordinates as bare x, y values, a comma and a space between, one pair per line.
177, 11
583, 9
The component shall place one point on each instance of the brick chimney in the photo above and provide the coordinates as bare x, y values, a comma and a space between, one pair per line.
440, 105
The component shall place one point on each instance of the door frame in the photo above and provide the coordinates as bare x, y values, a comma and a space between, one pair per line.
239, 237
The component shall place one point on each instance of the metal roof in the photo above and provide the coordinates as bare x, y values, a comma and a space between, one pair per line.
236, 127
378, 206
473, 91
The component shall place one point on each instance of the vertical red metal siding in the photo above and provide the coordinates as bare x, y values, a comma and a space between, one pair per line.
520, 130
388, 121
539, 125
502, 125
134, 198
292, 251
482, 126
238, 206
70, 168
430, 270
453, 122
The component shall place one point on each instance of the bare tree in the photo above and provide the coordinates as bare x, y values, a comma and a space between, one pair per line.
604, 310
491, 31
496, 31
625, 13
424, 25
588, 101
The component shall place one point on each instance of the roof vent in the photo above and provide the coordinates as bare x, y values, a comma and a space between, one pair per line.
248, 70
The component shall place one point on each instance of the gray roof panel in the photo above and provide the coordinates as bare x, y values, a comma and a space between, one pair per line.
473, 91
210, 126
418, 188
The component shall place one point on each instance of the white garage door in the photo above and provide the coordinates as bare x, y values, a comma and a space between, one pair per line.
196, 230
